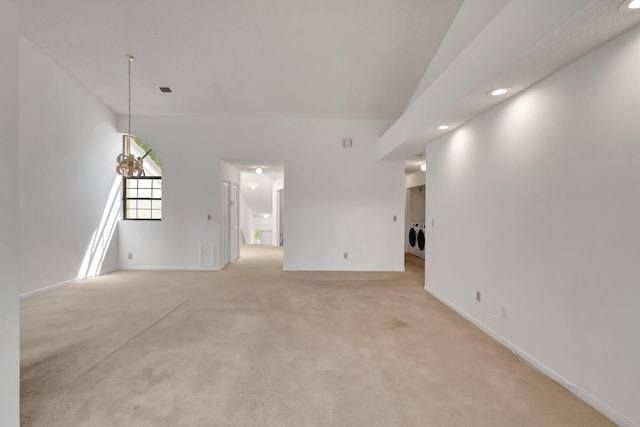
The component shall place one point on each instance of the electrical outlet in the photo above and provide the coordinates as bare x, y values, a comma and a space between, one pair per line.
130, 255
478, 296
346, 255
209, 217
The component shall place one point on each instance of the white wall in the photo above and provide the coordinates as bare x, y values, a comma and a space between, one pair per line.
68, 146
536, 204
9, 219
414, 180
246, 222
417, 204
338, 200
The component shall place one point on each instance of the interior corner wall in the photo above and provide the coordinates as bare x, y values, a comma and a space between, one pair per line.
338, 200
9, 219
536, 205
68, 146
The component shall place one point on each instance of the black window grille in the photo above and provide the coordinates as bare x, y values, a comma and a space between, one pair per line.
142, 197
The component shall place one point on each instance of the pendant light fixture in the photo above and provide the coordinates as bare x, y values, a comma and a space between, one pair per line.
128, 164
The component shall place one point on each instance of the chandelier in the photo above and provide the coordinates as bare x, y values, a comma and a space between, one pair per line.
128, 164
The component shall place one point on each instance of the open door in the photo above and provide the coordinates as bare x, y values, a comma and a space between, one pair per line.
234, 228
226, 221
280, 216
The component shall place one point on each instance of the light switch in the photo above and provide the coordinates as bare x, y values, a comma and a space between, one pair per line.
209, 217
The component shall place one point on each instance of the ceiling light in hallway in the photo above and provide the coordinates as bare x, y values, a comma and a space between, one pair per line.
443, 127
259, 170
423, 166
499, 91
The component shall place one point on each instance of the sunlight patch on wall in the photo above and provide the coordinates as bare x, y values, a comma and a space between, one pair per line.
101, 239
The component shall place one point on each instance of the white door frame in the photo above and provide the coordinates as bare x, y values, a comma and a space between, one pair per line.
226, 221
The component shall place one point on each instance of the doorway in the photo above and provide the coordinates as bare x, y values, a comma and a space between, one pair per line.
230, 221
415, 230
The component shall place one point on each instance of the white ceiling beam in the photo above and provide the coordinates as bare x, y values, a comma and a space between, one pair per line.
516, 29
471, 18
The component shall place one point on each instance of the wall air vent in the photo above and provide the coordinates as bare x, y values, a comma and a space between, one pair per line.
165, 89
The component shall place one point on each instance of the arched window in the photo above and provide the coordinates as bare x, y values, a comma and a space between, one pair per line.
142, 195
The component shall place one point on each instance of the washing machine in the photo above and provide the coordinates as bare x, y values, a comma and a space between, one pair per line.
413, 238
421, 240
416, 235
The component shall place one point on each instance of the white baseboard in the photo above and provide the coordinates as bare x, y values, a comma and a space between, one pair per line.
61, 284
581, 393
48, 288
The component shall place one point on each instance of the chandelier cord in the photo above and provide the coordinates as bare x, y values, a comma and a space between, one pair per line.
129, 60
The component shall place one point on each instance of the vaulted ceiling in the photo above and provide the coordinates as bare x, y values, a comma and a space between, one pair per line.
420, 63
329, 58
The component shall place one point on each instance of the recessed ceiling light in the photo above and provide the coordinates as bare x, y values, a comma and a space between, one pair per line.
165, 89
629, 6
423, 166
253, 186
499, 91
259, 170
443, 127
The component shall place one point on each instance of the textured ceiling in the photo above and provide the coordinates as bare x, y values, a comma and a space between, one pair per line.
330, 58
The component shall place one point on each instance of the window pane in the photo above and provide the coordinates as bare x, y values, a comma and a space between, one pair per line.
144, 204
143, 198
144, 193
144, 214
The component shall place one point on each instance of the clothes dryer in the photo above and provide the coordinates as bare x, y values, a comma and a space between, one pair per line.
421, 240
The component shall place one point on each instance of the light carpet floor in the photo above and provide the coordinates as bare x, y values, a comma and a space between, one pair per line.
254, 346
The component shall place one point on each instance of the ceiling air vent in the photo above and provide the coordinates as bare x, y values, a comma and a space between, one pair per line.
165, 89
